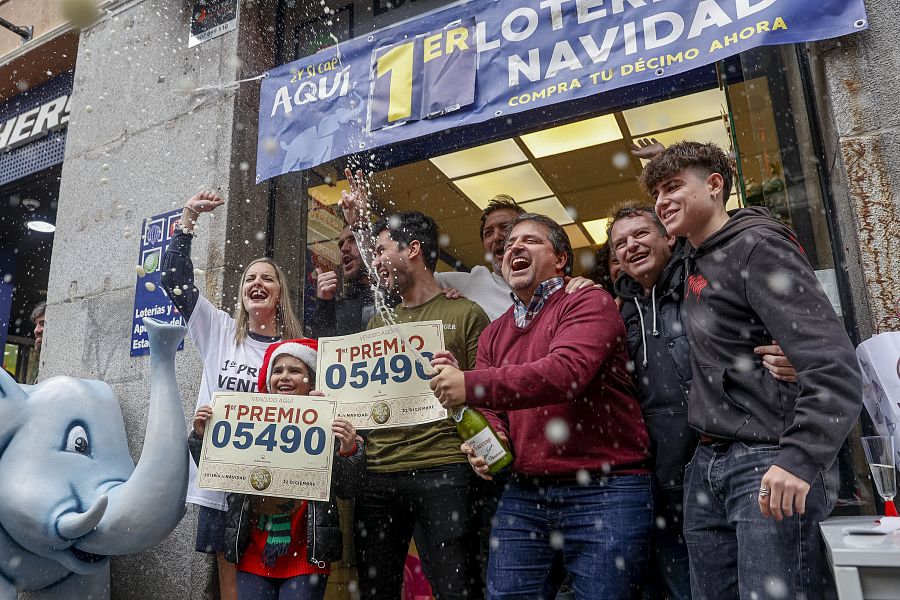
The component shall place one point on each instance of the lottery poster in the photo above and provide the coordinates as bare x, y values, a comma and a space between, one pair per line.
378, 377
269, 445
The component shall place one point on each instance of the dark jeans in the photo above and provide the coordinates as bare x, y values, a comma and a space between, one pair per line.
669, 570
442, 501
601, 529
302, 587
735, 551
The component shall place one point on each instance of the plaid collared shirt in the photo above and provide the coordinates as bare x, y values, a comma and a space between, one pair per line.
524, 314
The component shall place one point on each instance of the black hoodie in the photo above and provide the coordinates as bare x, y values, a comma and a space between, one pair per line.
748, 284
659, 348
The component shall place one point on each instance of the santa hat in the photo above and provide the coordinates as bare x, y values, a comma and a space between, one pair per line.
303, 349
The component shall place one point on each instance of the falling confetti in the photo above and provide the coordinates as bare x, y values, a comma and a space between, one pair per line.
80, 12
270, 145
557, 540
185, 84
557, 431
583, 477
621, 160
140, 271
151, 287
779, 282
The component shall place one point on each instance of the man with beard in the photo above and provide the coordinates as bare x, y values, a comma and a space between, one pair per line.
486, 286
552, 375
417, 475
333, 316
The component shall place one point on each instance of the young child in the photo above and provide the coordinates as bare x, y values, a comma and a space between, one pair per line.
282, 546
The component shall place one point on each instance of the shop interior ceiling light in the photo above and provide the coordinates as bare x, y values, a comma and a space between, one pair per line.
675, 112
550, 207
576, 236
574, 136
711, 131
597, 229
41, 226
479, 159
518, 166
522, 182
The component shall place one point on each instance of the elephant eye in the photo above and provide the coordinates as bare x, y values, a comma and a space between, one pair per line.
77, 440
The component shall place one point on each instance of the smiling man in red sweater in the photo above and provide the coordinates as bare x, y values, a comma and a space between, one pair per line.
551, 375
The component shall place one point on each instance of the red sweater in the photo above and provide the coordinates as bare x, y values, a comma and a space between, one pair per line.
290, 565
568, 363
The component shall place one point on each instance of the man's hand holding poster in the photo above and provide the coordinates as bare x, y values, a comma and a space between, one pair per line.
269, 445
378, 378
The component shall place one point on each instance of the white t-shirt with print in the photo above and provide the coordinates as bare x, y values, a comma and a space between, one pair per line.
482, 286
227, 367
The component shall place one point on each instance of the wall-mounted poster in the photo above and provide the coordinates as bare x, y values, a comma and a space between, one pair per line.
212, 18
149, 298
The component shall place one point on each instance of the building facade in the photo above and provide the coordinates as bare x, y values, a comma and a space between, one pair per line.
151, 121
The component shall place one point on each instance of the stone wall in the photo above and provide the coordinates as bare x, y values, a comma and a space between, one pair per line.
861, 115
140, 143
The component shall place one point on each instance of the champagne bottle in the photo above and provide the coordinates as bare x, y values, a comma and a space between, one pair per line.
475, 430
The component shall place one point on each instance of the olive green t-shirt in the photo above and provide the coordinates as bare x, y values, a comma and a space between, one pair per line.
437, 443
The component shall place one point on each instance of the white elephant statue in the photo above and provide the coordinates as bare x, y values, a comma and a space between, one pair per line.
70, 495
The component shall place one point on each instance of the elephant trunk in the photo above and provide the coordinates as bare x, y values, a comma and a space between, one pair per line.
142, 511
74, 525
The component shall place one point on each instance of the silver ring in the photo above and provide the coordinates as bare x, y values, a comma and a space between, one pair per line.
764, 491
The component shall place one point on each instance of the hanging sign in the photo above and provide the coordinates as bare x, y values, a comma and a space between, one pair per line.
33, 128
487, 59
212, 18
149, 298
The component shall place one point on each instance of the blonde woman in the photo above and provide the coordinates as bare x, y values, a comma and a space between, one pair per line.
232, 348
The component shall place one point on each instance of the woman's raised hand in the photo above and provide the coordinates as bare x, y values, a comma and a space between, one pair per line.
202, 202
346, 433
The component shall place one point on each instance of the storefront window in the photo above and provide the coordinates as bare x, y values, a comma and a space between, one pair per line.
574, 163
777, 166
11, 358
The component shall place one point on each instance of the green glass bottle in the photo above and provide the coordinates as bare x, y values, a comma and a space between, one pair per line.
475, 430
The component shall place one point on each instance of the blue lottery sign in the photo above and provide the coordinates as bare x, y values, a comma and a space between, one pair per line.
149, 298
486, 59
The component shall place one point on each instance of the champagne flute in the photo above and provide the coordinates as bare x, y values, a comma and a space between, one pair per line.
879, 451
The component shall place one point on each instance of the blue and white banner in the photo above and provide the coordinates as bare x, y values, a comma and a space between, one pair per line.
149, 298
484, 59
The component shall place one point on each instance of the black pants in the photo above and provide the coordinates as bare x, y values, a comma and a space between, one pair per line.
442, 501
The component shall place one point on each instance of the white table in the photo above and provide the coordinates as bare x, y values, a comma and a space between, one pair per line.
866, 567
